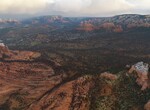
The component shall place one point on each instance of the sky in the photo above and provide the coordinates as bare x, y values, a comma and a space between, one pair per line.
24, 8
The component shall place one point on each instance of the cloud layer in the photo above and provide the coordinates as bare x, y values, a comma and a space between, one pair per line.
75, 7
92, 7
21, 6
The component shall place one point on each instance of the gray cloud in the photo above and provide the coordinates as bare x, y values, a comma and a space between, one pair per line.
98, 7
21, 6
92, 7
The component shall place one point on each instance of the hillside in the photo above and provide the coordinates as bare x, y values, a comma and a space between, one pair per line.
43, 85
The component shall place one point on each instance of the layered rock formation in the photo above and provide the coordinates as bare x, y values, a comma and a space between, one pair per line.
89, 26
85, 26
6, 54
22, 79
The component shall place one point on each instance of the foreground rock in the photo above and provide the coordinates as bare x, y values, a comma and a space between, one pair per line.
108, 75
147, 106
142, 71
72, 95
23, 80
6, 54
4, 51
29, 84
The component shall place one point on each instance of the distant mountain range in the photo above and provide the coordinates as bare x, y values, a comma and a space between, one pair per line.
117, 23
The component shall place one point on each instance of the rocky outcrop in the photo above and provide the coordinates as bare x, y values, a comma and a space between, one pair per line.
147, 106
2, 21
89, 26
72, 95
85, 26
6, 54
142, 71
4, 51
108, 75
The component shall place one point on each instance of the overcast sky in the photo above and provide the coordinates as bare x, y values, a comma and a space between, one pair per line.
73, 7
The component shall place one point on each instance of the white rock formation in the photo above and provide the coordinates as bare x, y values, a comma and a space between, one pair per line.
142, 70
2, 44
142, 67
